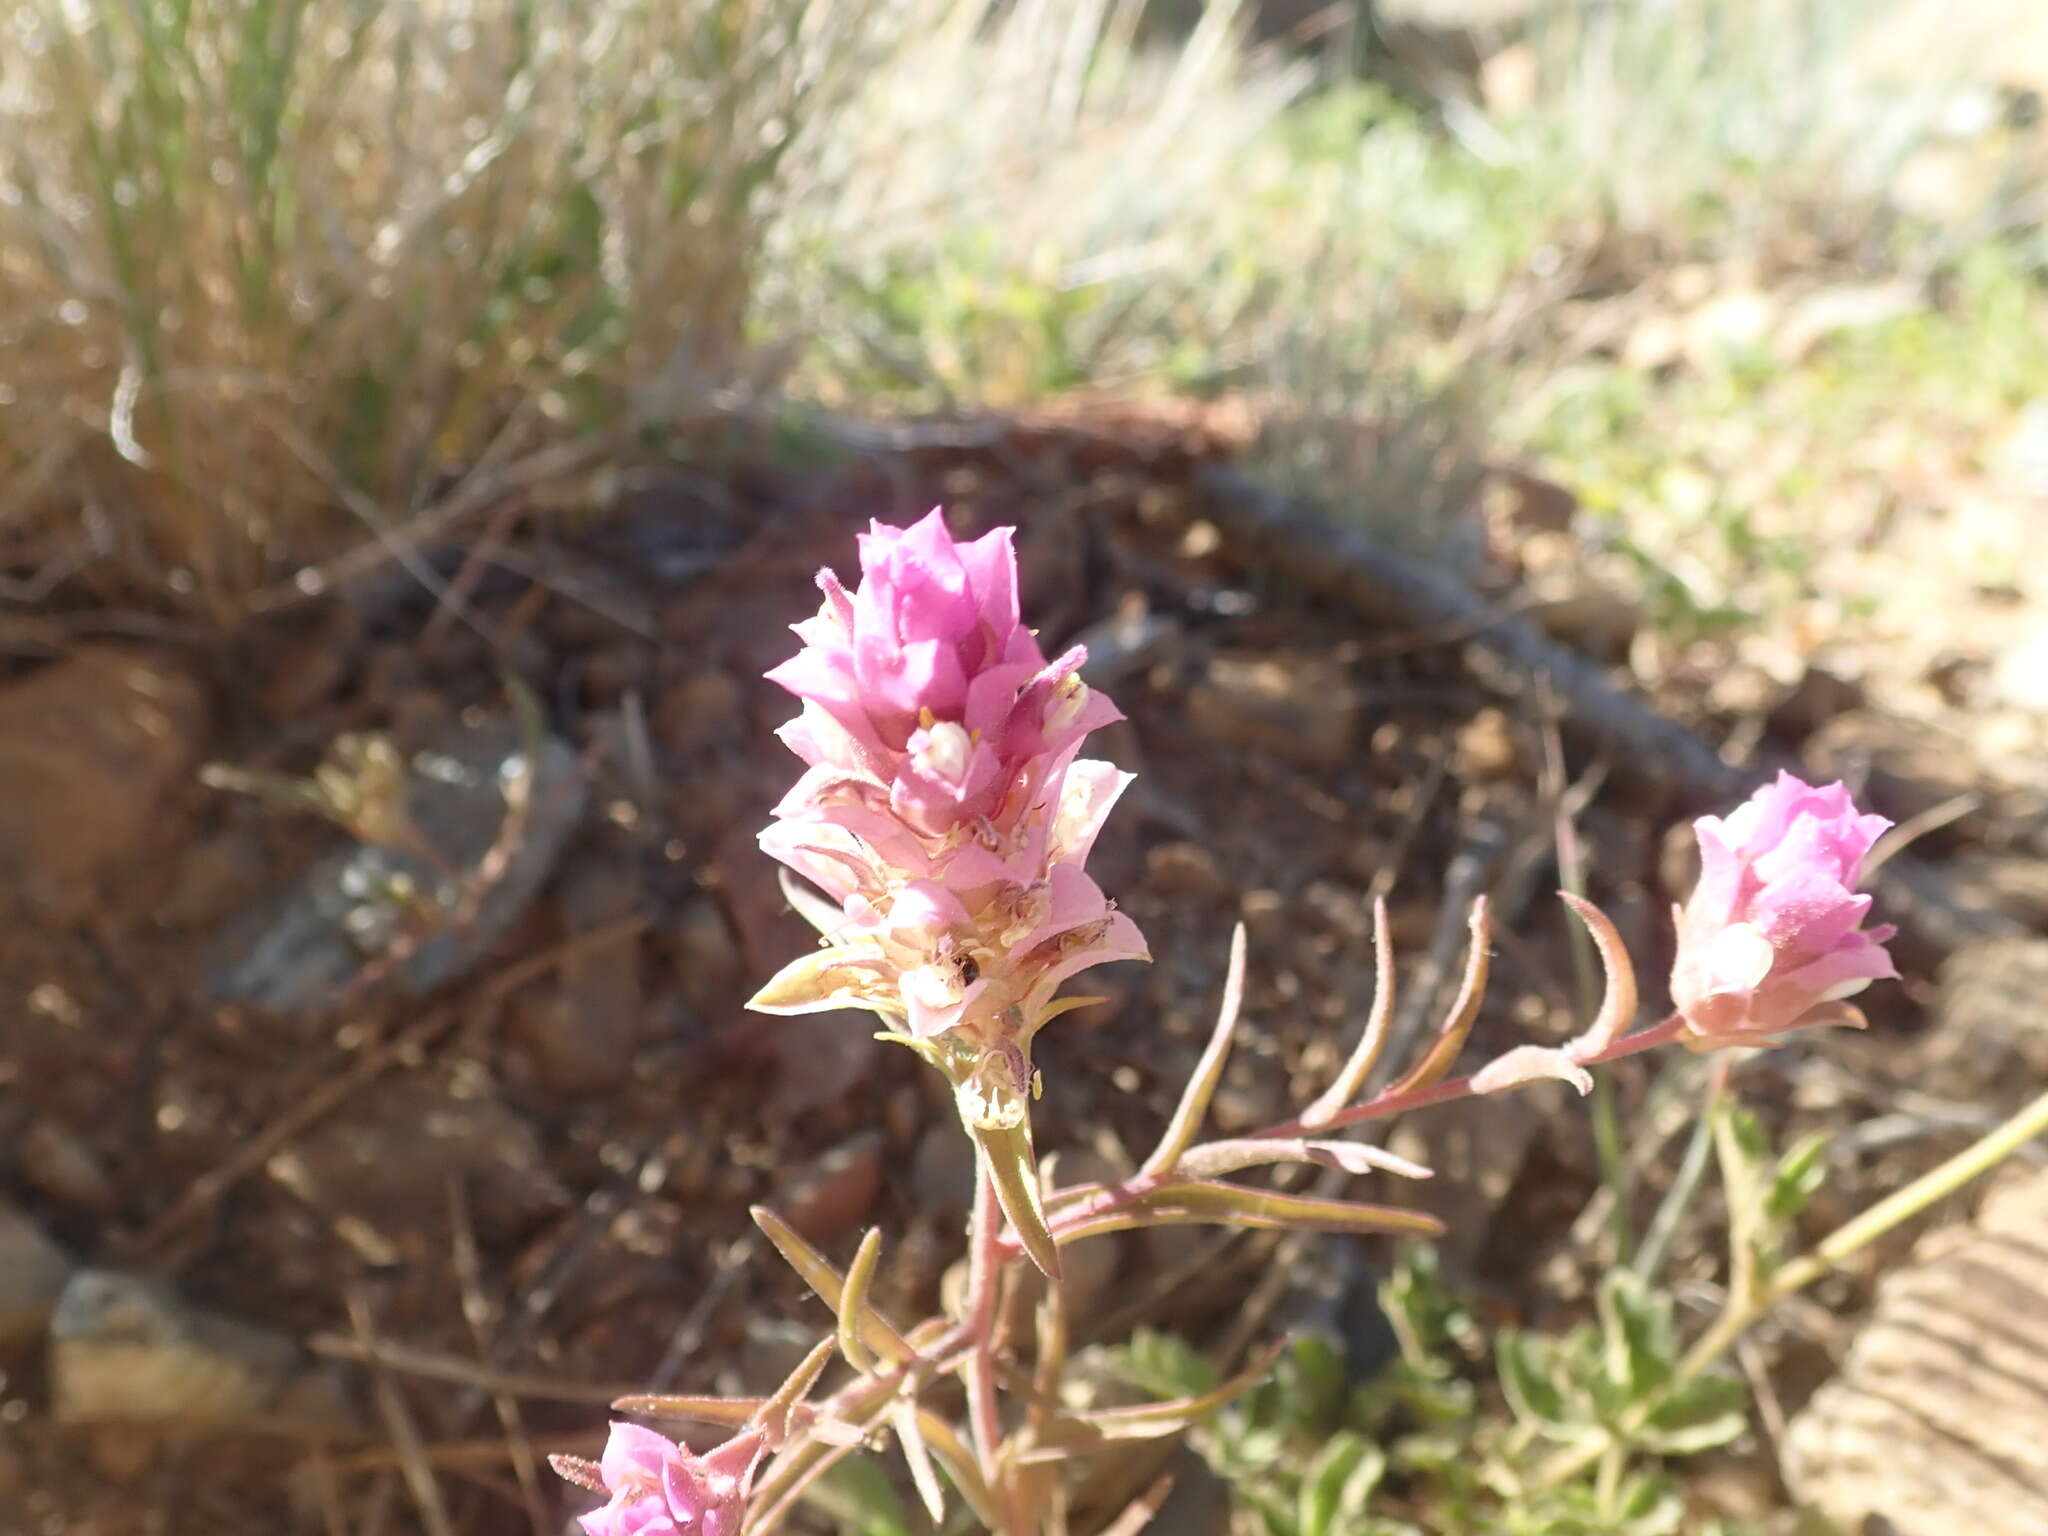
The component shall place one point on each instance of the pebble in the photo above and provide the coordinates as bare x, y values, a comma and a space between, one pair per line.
942, 1170
1303, 708
123, 1349
92, 748
582, 1032
61, 1166
1185, 869
820, 1059
33, 1272
829, 1196
382, 1176
300, 951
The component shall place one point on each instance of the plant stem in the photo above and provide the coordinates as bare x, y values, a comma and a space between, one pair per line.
1860, 1231
1748, 1303
984, 1287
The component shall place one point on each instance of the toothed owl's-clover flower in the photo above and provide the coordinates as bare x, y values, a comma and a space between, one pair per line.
1774, 930
659, 1488
944, 814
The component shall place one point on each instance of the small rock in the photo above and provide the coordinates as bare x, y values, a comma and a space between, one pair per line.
1200, 1502
91, 749
303, 664
1125, 644
706, 955
1523, 502
382, 1175
820, 1058
2015, 884
830, 1196
59, 1164
1185, 869
124, 1350
1577, 596
33, 1271
942, 1170
583, 1032
1816, 698
300, 952
1486, 747
1937, 1422
1988, 1030
1303, 708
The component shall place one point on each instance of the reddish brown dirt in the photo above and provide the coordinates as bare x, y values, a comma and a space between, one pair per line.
617, 1111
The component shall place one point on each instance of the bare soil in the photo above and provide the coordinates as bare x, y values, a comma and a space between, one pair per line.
591, 1109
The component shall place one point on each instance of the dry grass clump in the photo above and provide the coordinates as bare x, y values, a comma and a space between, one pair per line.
260, 259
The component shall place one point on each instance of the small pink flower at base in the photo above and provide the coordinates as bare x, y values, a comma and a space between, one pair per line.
1773, 931
660, 1488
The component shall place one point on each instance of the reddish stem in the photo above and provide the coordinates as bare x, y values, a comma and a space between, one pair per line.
1114, 1197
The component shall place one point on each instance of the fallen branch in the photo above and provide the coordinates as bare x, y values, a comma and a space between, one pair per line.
1344, 561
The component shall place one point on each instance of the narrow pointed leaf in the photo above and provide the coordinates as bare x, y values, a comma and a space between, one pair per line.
1450, 1039
697, 1410
1235, 1205
824, 979
952, 1453
1528, 1064
1216, 1158
853, 1300
1194, 1103
917, 1457
875, 1330
1008, 1151
1151, 1421
1372, 1043
776, 1411
1618, 1006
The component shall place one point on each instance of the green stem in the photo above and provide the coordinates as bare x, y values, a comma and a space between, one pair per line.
1747, 1304
1860, 1231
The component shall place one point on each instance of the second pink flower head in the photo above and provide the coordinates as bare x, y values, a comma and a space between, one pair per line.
1774, 930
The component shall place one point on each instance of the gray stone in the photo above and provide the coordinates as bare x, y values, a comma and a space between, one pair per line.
125, 1350
32, 1274
304, 951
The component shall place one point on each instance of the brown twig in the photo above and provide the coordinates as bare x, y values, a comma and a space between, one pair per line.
406, 1444
433, 1365
1344, 561
478, 1312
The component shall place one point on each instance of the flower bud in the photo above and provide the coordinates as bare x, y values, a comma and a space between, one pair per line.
1774, 929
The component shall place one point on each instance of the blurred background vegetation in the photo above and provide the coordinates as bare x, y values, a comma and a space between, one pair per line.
276, 274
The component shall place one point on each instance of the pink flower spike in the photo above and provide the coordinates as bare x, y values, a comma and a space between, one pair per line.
660, 1488
945, 809
1774, 927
